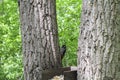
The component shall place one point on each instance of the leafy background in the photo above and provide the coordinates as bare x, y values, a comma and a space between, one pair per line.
68, 18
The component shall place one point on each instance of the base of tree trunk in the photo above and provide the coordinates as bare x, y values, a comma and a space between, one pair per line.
69, 73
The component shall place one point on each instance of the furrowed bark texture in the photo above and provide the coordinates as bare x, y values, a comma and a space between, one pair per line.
39, 37
99, 41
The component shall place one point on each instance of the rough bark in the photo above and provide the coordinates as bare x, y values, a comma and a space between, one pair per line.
99, 41
39, 37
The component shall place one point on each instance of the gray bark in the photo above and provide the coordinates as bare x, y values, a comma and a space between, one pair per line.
39, 37
99, 41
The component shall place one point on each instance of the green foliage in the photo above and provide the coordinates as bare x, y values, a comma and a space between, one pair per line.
10, 41
68, 17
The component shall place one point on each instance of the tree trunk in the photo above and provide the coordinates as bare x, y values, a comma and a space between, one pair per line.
99, 41
39, 37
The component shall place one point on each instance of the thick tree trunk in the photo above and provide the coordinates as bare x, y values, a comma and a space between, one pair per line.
39, 37
99, 41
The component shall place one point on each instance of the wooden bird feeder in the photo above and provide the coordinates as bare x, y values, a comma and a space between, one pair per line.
69, 73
